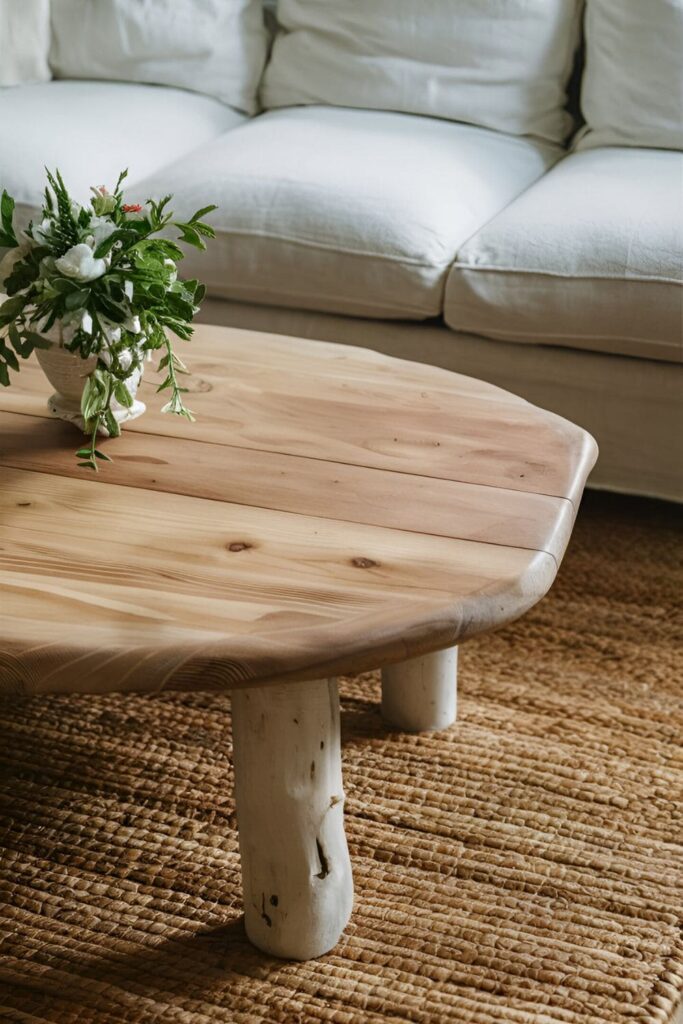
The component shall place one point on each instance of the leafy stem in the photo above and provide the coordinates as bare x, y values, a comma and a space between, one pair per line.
97, 413
174, 365
91, 454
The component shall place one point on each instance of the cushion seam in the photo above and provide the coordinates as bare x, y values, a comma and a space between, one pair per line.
329, 247
640, 279
386, 306
503, 335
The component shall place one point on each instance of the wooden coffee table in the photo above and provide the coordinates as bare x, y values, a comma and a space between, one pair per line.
332, 511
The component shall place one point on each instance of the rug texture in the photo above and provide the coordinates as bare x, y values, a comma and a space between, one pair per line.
523, 867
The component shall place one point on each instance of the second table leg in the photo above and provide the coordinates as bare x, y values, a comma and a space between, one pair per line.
296, 872
421, 693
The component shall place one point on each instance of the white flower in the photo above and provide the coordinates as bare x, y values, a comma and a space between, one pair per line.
41, 233
80, 264
132, 324
101, 228
11, 257
128, 290
86, 322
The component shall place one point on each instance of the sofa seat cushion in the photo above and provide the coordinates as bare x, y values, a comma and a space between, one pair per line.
92, 130
348, 211
591, 257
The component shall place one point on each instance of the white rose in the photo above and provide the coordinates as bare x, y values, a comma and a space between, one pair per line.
80, 264
11, 257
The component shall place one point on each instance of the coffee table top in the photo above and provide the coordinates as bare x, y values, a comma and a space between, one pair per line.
331, 510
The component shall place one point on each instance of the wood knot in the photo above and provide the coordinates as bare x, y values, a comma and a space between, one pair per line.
364, 563
197, 386
239, 545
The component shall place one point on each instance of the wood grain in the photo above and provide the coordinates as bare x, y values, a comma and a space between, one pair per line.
307, 486
355, 406
294, 543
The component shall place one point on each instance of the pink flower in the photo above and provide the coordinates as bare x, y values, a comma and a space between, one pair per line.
131, 208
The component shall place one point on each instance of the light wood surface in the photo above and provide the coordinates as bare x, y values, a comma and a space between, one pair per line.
331, 510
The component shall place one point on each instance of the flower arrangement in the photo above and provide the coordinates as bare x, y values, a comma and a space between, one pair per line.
100, 283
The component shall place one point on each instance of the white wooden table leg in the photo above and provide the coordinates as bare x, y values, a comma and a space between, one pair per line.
296, 872
421, 693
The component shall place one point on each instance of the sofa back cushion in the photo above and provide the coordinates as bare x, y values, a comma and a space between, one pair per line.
24, 41
216, 47
501, 64
632, 89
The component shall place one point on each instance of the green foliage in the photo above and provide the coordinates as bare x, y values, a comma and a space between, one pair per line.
8, 239
65, 233
122, 303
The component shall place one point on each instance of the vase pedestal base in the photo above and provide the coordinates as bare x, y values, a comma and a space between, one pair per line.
65, 409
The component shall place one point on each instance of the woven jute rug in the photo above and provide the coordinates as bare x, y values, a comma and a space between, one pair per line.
520, 868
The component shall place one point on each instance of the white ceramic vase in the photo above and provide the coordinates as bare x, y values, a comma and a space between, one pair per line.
66, 372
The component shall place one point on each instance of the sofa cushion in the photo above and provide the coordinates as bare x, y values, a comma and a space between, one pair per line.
632, 87
350, 211
24, 41
591, 256
501, 64
216, 47
92, 130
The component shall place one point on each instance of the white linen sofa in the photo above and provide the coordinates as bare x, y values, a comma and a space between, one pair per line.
402, 175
